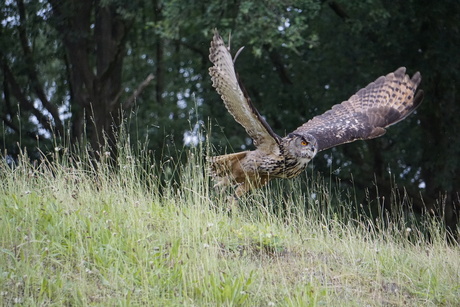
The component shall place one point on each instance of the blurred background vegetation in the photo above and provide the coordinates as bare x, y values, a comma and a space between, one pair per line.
72, 70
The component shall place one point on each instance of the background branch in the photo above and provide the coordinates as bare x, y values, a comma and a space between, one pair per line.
130, 101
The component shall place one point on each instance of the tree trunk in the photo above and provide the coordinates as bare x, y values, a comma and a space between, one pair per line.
95, 55
159, 86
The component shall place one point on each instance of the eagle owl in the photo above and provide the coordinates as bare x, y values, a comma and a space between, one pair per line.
382, 103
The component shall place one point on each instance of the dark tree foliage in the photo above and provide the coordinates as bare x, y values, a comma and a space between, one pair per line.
81, 68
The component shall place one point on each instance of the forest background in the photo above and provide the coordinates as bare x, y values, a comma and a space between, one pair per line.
73, 70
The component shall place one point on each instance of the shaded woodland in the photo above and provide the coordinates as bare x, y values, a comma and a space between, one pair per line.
74, 71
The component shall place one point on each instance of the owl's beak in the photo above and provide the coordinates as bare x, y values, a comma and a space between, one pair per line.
311, 152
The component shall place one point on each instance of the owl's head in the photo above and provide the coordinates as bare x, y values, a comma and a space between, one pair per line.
302, 146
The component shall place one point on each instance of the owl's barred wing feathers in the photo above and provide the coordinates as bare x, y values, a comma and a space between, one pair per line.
236, 101
366, 114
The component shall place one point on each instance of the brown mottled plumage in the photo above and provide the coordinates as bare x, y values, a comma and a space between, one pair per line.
365, 115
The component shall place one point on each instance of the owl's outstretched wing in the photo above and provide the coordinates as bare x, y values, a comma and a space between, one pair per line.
382, 103
236, 100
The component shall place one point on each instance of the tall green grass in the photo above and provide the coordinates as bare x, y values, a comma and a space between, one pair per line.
138, 232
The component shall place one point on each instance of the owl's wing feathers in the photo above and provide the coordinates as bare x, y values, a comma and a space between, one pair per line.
382, 103
237, 102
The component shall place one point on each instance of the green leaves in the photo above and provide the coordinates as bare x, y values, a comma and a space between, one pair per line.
229, 290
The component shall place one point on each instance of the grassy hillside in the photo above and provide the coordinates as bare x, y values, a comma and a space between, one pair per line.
73, 233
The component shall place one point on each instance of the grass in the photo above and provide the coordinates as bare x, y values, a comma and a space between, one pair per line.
73, 233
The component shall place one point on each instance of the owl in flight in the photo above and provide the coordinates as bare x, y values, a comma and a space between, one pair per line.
382, 103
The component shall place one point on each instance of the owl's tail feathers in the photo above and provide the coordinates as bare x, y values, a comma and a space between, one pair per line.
226, 169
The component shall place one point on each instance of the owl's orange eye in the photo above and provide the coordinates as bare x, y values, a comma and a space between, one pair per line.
304, 143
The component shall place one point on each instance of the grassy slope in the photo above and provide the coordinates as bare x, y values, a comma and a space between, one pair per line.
71, 237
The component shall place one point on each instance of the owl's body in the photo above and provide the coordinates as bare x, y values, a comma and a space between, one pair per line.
382, 103
253, 169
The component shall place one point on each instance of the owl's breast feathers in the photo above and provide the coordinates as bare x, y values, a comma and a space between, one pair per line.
253, 169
